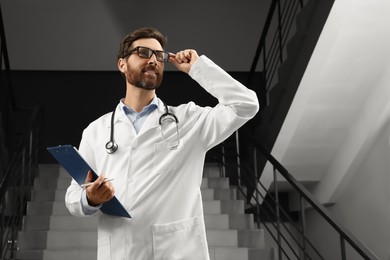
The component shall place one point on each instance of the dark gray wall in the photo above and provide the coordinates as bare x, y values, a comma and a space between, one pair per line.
72, 99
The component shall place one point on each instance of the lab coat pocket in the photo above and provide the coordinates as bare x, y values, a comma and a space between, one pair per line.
181, 240
104, 248
162, 159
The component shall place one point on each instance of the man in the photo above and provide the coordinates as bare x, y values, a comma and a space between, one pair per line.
156, 170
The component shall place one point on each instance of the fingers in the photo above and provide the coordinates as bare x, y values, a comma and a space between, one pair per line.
183, 60
100, 191
89, 177
183, 56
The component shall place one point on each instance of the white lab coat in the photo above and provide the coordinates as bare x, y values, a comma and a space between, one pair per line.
160, 188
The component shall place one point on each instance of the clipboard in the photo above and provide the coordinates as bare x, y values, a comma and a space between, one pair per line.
69, 157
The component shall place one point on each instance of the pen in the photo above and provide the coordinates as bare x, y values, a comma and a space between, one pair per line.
90, 183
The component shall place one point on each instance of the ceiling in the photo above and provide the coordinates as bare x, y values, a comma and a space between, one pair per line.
85, 35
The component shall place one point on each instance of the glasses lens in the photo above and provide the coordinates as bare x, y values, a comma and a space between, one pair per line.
162, 56
170, 132
144, 52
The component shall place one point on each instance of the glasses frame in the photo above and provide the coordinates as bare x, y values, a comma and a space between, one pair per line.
151, 51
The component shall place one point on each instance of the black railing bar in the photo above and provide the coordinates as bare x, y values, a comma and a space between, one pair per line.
262, 41
287, 7
356, 244
289, 16
303, 223
279, 235
279, 30
283, 16
273, 236
4, 53
270, 79
272, 210
289, 25
285, 214
284, 239
342, 248
4, 182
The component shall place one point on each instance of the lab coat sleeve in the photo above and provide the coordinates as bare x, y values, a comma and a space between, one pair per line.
75, 198
236, 103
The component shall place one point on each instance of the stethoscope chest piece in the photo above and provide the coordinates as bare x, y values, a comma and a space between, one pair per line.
111, 147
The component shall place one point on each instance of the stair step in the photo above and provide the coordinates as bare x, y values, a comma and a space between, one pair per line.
45, 208
48, 195
223, 206
68, 222
252, 238
54, 239
217, 221
222, 237
69, 239
218, 183
228, 253
216, 253
31, 223
51, 232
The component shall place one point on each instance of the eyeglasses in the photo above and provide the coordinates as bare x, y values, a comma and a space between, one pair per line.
146, 53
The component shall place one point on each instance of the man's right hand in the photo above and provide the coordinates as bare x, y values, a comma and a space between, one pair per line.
100, 191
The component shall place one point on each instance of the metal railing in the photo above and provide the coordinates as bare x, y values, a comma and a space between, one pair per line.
271, 49
16, 186
288, 229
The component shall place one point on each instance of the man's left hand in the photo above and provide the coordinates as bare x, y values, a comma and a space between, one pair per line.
183, 60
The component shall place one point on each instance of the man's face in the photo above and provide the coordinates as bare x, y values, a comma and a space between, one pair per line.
142, 72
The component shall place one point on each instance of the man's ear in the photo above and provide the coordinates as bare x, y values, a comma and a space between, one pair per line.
121, 65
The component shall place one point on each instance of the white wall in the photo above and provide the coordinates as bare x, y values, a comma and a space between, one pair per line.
85, 35
364, 206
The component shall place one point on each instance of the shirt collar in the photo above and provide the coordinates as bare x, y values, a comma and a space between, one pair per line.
147, 109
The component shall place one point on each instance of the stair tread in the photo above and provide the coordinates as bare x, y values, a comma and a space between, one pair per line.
48, 219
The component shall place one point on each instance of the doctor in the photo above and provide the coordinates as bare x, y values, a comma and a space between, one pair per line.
156, 154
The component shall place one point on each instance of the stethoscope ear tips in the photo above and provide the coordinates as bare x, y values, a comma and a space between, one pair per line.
111, 147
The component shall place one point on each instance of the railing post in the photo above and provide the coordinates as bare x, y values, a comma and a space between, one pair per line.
303, 225
280, 32
277, 214
255, 184
342, 245
2, 228
238, 160
223, 161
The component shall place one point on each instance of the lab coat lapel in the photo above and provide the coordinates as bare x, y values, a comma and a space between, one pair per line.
120, 117
153, 119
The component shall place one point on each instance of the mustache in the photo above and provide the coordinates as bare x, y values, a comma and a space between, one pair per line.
150, 68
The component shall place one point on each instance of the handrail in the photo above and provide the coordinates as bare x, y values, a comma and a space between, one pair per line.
273, 56
16, 186
345, 235
247, 173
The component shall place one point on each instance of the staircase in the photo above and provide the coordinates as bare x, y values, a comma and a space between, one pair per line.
50, 232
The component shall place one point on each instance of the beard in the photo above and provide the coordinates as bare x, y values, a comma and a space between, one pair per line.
148, 77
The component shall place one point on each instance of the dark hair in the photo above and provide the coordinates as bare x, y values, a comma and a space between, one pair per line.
142, 33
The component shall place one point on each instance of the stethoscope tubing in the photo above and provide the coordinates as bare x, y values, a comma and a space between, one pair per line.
111, 146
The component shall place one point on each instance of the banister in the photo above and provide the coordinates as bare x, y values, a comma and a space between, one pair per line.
344, 234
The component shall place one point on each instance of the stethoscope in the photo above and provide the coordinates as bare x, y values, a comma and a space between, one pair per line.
112, 146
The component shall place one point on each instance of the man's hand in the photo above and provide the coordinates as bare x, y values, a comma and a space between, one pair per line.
183, 60
100, 191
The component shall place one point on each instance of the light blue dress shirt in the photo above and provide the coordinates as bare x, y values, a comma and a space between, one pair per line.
138, 119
